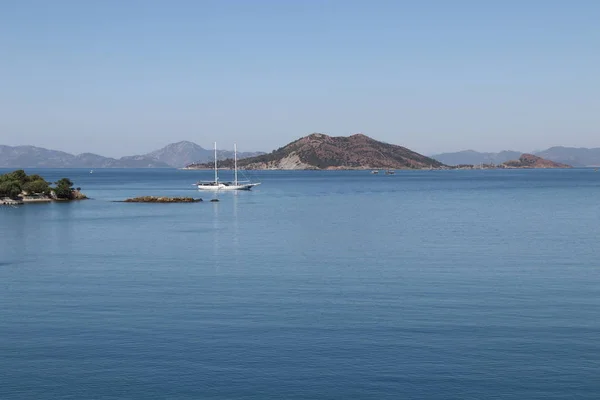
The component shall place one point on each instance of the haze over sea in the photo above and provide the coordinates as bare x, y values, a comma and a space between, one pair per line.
330, 285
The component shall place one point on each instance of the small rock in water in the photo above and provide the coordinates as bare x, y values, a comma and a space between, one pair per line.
214, 200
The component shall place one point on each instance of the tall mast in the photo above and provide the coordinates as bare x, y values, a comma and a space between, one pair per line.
216, 177
235, 162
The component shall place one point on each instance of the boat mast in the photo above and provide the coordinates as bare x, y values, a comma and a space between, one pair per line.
235, 163
216, 177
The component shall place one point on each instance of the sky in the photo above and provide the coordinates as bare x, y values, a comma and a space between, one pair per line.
122, 77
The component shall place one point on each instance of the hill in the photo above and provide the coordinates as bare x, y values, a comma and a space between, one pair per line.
320, 151
183, 153
532, 161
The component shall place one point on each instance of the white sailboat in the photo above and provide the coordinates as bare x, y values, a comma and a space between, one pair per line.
235, 185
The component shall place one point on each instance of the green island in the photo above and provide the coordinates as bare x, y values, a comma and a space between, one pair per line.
17, 188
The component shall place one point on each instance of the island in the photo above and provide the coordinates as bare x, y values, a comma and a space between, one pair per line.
18, 188
357, 152
531, 161
323, 152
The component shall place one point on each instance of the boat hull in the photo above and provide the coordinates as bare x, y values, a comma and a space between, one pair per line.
218, 186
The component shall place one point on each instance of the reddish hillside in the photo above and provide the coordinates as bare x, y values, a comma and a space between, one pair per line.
319, 151
531, 161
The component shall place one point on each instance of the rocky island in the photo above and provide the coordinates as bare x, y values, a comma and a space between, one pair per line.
18, 187
531, 161
322, 152
525, 161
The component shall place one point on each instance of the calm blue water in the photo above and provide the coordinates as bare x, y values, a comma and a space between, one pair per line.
329, 285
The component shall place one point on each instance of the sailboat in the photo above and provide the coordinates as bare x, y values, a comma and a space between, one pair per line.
218, 185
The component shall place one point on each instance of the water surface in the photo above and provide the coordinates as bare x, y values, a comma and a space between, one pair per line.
425, 284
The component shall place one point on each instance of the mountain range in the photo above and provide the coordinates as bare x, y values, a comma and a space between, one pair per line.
320, 151
171, 156
184, 153
576, 157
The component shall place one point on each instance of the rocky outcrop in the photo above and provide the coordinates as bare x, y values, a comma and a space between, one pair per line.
531, 161
77, 195
155, 199
7, 201
320, 151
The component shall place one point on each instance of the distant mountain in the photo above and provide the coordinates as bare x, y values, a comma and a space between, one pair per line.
344, 152
135, 162
577, 157
474, 157
532, 161
30, 156
319, 151
174, 155
183, 153
38, 157
90, 160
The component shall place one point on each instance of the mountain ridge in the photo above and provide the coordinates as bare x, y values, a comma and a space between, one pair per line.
173, 155
182, 153
573, 156
39, 157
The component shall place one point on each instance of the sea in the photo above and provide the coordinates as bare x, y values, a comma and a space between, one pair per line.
481, 284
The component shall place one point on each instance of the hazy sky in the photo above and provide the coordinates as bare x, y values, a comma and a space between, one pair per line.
127, 77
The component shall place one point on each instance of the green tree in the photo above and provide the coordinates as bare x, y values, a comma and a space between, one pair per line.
18, 175
64, 189
63, 192
10, 189
64, 182
35, 177
38, 186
